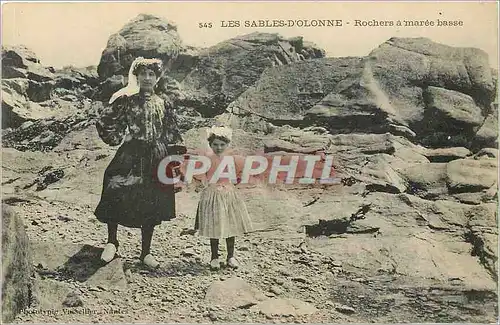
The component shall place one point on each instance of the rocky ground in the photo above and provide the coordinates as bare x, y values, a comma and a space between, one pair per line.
405, 259
410, 235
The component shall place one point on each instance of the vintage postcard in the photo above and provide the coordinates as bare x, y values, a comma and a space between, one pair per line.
249, 162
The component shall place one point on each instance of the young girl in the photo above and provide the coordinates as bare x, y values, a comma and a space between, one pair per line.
146, 124
221, 213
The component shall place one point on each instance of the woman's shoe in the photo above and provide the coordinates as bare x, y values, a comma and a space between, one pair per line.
150, 261
215, 264
109, 252
233, 263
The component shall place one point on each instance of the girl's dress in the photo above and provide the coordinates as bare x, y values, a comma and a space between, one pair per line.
221, 212
131, 194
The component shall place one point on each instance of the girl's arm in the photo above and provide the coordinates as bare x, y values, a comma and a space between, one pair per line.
111, 124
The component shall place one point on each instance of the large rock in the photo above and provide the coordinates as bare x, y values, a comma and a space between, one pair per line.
147, 36
409, 86
449, 116
446, 154
487, 135
21, 62
233, 292
285, 93
226, 70
379, 175
49, 126
427, 180
17, 268
483, 235
471, 175
16, 106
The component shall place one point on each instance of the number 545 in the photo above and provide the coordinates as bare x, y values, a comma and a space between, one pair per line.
205, 25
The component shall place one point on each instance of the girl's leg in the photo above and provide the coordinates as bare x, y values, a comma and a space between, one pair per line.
110, 250
231, 261
147, 237
230, 247
214, 248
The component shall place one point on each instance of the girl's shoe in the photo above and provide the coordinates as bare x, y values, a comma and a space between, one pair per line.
109, 252
233, 263
150, 261
215, 264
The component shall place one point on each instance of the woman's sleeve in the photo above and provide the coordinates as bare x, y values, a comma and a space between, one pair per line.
171, 136
111, 124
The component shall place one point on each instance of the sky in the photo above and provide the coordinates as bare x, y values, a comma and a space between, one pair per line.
76, 33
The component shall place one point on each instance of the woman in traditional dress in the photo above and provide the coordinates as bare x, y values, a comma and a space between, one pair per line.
221, 213
146, 125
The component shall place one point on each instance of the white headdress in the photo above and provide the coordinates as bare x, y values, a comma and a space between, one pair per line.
220, 131
132, 87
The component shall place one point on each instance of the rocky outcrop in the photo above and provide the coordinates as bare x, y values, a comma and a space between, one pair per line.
284, 94
25, 83
408, 87
225, 71
17, 271
147, 36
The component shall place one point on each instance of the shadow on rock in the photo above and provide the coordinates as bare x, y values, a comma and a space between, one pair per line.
83, 265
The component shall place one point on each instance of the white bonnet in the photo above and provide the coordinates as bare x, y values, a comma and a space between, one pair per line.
220, 131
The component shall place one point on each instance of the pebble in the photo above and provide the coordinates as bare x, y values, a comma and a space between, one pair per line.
286, 273
73, 300
188, 252
279, 281
344, 309
276, 290
300, 279
213, 317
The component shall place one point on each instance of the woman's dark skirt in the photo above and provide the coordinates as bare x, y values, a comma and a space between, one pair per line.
131, 195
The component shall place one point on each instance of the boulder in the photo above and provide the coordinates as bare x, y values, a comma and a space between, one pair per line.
486, 153
449, 117
18, 56
16, 107
487, 135
225, 71
111, 276
285, 94
483, 235
21, 62
471, 175
49, 126
426, 180
436, 94
442, 155
233, 293
17, 270
379, 176
145, 35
